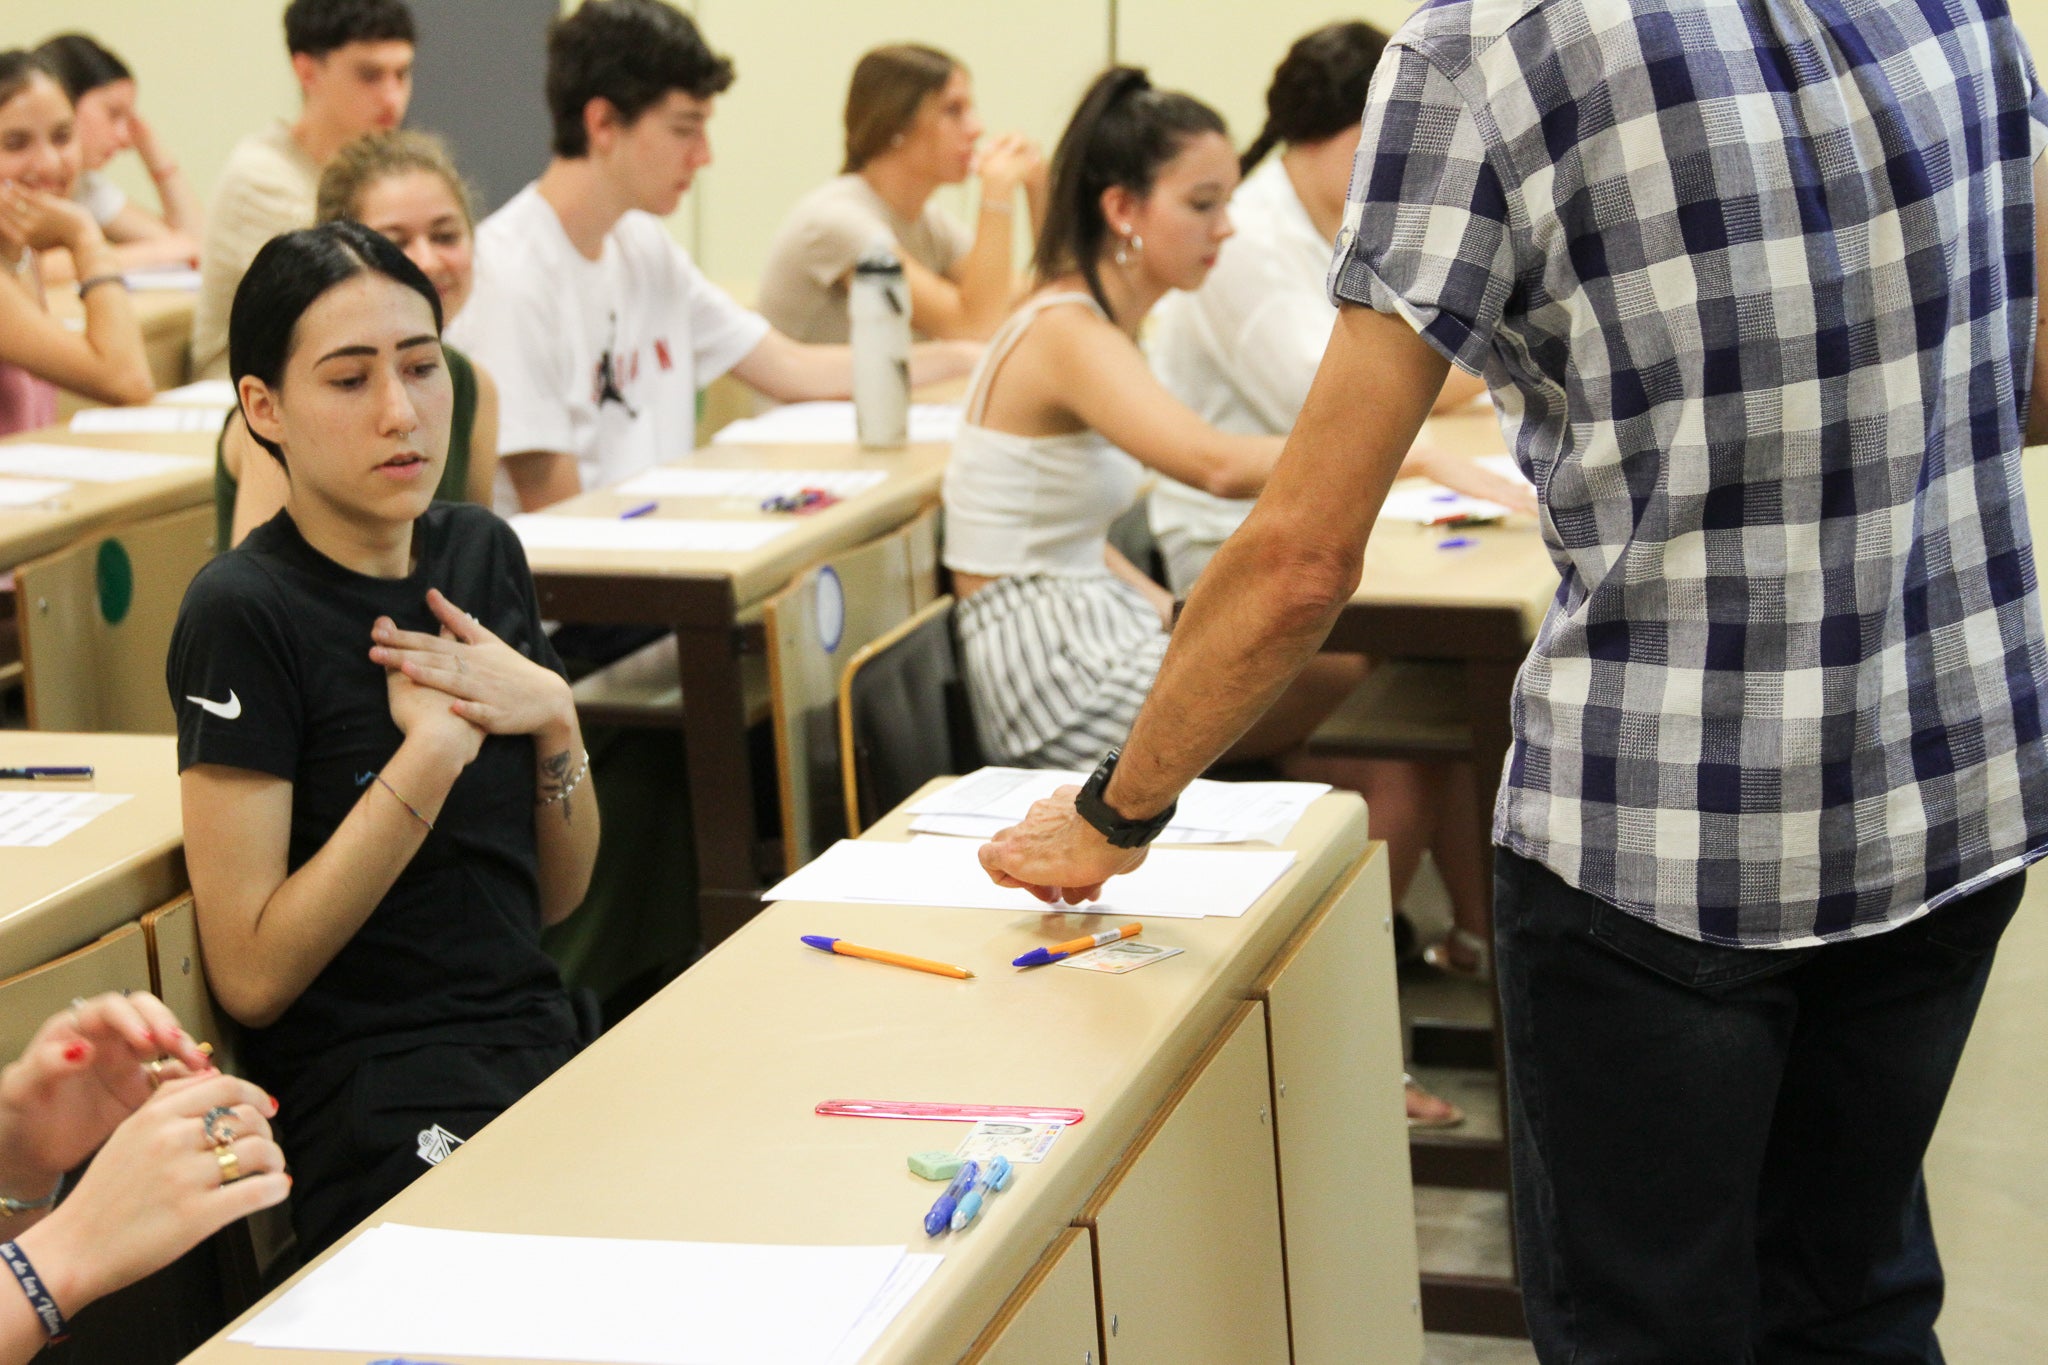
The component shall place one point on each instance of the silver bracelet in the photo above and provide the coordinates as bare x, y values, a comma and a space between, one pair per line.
575, 781
12, 1208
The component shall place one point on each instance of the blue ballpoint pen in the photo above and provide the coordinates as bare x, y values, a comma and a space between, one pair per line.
994, 1180
642, 510
941, 1216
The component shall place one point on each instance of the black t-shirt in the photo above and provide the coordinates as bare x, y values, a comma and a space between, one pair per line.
270, 670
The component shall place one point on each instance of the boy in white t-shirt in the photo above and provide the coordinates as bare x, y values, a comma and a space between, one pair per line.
597, 326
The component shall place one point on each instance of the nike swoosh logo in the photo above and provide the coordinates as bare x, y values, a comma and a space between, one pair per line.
226, 710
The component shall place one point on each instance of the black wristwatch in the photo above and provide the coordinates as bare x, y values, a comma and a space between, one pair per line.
1121, 832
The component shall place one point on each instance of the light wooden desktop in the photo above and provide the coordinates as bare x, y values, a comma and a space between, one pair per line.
124, 864
694, 1120
28, 532
702, 597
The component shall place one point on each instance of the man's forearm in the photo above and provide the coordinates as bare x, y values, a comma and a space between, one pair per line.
1246, 632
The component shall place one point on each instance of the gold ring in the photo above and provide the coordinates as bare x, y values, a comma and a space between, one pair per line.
230, 1166
155, 1067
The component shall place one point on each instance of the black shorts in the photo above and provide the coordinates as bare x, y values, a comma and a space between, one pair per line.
395, 1117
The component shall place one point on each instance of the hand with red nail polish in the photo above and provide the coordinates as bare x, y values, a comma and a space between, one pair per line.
80, 1076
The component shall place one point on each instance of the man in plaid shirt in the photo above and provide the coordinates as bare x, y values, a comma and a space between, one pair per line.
1753, 284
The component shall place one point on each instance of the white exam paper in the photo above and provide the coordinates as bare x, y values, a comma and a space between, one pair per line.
1505, 466
425, 1292
644, 533
129, 421
896, 1292
986, 800
38, 819
218, 394
1171, 884
755, 485
29, 492
84, 463
832, 423
182, 279
1426, 504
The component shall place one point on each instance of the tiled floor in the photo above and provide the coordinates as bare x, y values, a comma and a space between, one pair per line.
1987, 1171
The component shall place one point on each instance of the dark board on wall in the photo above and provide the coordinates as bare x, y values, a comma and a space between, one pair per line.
478, 82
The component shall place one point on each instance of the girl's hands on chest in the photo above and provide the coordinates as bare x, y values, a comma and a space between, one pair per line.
495, 689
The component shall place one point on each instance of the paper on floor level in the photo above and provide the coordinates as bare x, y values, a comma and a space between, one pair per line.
424, 1292
39, 460
755, 485
1171, 884
645, 533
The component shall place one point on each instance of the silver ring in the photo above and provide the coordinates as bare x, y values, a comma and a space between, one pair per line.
218, 1132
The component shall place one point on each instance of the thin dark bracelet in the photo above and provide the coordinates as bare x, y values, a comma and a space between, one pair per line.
91, 282
11, 1207
403, 802
54, 1326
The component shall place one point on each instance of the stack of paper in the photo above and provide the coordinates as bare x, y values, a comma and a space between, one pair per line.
832, 423
989, 799
149, 421
1171, 884
644, 533
218, 394
430, 1292
754, 485
83, 463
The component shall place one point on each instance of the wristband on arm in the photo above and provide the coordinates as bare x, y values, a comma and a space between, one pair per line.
54, 1325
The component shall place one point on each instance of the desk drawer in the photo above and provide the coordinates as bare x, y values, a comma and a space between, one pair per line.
1187, 1232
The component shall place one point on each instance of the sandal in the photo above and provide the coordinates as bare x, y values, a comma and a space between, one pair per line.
1451, 1116
1477, 955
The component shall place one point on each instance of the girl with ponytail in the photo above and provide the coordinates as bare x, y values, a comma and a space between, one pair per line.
1241, 351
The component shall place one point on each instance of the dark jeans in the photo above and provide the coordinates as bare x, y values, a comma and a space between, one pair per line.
1717, 1150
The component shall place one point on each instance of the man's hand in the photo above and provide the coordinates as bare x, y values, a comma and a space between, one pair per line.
1055, 854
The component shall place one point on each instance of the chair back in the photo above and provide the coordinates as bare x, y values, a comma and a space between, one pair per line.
813, 628
903, 717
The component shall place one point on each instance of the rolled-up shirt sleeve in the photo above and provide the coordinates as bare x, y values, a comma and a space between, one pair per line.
1426, 230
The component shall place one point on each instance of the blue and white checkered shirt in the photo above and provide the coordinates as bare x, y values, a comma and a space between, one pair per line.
1752, 282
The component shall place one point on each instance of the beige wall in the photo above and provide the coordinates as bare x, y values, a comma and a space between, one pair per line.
209, 71
213, 70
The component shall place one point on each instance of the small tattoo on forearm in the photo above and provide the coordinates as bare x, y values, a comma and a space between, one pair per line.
555, 785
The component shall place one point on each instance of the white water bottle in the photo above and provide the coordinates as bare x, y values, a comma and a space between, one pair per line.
878, 306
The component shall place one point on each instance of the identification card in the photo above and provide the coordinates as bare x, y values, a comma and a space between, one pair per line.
1020, 1142
1118, 958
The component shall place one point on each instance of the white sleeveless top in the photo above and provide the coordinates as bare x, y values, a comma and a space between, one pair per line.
1031, 504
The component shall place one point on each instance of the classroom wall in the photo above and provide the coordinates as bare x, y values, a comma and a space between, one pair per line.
212, 70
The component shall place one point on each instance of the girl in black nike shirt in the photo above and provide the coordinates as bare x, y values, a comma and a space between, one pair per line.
385, 790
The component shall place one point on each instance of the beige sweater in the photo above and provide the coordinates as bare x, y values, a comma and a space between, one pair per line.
266, 188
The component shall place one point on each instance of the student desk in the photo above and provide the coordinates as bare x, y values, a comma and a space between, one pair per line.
29, 532
124, 864
166, 319
702, 597
693, 1120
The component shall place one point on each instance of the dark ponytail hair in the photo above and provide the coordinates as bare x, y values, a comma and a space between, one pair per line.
1319, 88
81, 64
18, 68
288, 276
1122, 133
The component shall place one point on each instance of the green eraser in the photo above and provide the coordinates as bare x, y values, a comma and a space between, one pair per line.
935, 1165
